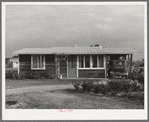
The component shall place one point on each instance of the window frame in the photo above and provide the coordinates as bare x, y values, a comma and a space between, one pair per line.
38, 60
91, 62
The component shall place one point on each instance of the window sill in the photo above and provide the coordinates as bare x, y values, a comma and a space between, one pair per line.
37, 69
92, 68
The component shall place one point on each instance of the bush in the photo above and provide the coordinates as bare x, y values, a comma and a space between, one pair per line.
100, 88
37, 75
115, 87
34, 75
136, 96
51, 76
141, 78
14, 75
137, 75
84, 86
135, 86
77, 85
119, 85
21, 76
90, 86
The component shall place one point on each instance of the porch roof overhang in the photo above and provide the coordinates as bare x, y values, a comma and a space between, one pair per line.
76, 50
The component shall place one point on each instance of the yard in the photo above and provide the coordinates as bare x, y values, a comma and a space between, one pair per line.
59, 94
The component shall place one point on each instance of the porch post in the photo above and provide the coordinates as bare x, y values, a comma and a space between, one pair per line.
84, 61
130, 62
56, 66
105, 66
18, 65
97, 61
31, 61
38, 59
67, 66
91, 64
77, 65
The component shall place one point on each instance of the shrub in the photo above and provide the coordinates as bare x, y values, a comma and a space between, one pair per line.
136, 96
84, 86
135, 86
115, 87
137, 75
8, 74
51, 76
77, 85
33, 75
42, 76
21, 76
87, 86
14, 75
141, 78
90, 86
100, 88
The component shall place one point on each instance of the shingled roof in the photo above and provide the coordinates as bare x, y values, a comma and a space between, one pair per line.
76, 50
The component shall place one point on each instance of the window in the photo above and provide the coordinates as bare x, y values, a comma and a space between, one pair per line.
81, 61
72, 61
96, 61
87, 61
100, 60
38, 62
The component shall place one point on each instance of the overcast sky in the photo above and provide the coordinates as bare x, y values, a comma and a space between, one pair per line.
66, 25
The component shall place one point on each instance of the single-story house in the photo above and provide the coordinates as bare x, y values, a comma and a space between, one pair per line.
79, 62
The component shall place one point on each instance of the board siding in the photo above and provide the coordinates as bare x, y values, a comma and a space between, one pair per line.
25, 65
89, 73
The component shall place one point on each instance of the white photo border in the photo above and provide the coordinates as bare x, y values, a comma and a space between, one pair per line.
76, 114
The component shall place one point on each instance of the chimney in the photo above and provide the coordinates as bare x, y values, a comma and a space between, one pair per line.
100, 47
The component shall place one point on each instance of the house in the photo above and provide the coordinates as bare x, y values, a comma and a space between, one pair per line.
14, 61
79, 62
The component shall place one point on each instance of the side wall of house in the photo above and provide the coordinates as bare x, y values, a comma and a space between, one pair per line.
25, 65
92, 73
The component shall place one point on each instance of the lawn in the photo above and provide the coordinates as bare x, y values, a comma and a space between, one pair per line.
11, 84
60, 94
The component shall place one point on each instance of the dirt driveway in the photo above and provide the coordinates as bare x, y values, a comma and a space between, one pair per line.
62, 97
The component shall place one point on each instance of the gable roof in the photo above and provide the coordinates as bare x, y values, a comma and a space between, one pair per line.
76, 50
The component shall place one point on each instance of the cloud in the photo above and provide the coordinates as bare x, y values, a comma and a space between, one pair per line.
45, 26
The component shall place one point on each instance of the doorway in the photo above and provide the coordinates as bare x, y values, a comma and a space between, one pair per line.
72, 66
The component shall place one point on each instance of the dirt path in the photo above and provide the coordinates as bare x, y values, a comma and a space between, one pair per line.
36, 88
64, 97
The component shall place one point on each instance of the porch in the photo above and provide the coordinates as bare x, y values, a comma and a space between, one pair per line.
94, 66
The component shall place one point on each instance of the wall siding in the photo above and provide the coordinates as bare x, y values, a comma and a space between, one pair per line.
25, 65
92, 73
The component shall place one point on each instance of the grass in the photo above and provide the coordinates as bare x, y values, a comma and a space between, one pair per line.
61, 98
34, 82
10, 84
67, 99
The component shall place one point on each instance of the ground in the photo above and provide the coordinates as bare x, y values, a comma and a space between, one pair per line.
59, 94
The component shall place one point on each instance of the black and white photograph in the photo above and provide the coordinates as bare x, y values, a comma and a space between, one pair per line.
74, 60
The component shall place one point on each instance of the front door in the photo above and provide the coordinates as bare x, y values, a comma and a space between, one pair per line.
72, 66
